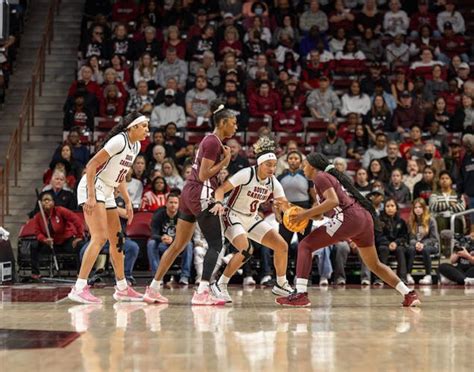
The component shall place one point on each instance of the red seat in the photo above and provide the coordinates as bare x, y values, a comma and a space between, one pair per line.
315, 125
194, 138
256, 123
314, 138
353, 165
140, 227
192, 126
105, 124
284, 138
27, 230
405, 213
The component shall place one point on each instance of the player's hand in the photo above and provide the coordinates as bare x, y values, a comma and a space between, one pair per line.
129, 209
89, 205
298, 217
217, 209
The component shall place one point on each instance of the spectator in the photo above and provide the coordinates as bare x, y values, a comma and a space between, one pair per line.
289, 119
130, 247
376, 152
171, 175
439, 114
437, 135
323, 103
178, 144
452, 16
237, 161
422, 18
168, 112
371, 46
452, 97
377, 172
331, 145
400, 85
362, 181
413, 174
369, 17
80, 152
145, 71
265, 103
231, 43
135, 190
387, 96
466, 180
460, 270
424, 67
313, 71
282, 162
141, 100
425, 40
206, 41
406, 115
97, 45
261, 65
338, 41
210, 70
200, 23
377, 196
158, 156
78, 115
85, 78
451, 45
412, 147
172, 67
342, 250
121, 44
392, 160
397, 52
350, 61
463, 120
394, 238
65, 227
63, 166
174, 40
155, 198
139, 170
379, 117
395, 21
179, 96
375, 77
397, 190
198, 101
341, 17
163, 231
314, 16
111, 104
422, 97
432, 158
111, 78
288, 27
359, 144
355, 101
254, 45
124, 11
424, 188
444, 202
149, 44
66, 152
424, 238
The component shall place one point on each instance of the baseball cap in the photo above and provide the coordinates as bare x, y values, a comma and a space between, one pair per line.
170, 92
405, 94
464, 65
228, 15
376, 191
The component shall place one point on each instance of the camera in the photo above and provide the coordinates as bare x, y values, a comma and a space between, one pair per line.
462, 242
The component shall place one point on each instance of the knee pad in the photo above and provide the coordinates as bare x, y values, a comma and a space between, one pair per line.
120, 241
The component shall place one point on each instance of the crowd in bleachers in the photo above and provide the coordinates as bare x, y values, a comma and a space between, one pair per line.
382, 88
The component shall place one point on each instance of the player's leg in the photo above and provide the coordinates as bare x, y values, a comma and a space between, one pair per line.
97, 224
371, 259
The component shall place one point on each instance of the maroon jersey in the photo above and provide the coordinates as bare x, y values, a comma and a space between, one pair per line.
209, 148
324, 181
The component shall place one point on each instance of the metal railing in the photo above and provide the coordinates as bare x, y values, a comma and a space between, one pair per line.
27, 113
452, 219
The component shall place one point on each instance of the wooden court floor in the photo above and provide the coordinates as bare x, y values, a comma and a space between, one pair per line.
346, 329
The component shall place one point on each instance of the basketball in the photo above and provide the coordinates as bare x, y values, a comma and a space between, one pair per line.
299, 227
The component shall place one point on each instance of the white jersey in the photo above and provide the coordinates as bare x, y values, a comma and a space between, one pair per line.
122, 155
250, 192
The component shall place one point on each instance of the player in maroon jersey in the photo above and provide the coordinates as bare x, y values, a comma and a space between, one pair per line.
197, 199
351, 216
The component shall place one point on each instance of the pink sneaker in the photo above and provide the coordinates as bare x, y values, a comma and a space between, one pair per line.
206, 298
127, 295
84, 296
152, 296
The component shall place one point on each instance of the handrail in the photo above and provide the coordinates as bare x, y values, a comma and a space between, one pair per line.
27, 113
451, 226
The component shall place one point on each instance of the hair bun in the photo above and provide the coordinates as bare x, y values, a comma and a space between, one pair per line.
263, 145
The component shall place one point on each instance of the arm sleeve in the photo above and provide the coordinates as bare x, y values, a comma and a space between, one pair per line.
241, 177
115, 145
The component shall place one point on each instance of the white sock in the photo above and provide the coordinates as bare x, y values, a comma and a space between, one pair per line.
122, 284
281, 280
223, 280
301, 285
80, 284
203, 285
156, 284
402, 288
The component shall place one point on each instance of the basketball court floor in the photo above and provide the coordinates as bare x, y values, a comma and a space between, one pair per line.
346, 329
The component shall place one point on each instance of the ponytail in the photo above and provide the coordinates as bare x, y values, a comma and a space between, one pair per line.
320, 162
121, 127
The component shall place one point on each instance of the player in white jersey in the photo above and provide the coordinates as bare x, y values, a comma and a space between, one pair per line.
251, 187
106, 172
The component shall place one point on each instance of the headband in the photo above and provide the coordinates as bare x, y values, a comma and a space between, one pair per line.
329, 167
220, 108
268, 156
137, 121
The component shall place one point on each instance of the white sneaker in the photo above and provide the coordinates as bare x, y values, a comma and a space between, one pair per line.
248, 280
469, 282
220, 291
341, 281
444, 280
282, 290
410, 280
365, 282
323, 282
426, 280
265, 279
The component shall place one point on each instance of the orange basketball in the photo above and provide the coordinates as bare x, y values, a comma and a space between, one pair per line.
299, 227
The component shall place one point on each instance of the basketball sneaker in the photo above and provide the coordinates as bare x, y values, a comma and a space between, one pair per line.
206, 298
127, 295
153, 296
282, 290
295, 299
83, 296
220, 291
411, 299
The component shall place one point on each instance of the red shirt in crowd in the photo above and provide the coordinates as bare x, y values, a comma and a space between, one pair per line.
63, 225
288, 121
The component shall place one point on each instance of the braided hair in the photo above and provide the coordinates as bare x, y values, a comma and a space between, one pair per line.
320, 162
121, 127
